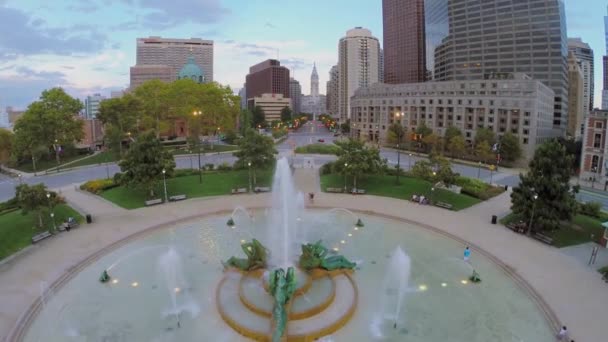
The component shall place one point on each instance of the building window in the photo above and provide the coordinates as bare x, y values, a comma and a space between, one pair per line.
597, 140
525, 141
599, 125
595, 162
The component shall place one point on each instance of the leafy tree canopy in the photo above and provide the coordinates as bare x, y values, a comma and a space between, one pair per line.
510, 148
286, 114
485, 135
356, 159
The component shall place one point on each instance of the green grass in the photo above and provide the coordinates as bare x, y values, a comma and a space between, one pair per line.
573, 233
205, 149
99, 158
16, 229
214, 184
43, 165
318, 149
384, 185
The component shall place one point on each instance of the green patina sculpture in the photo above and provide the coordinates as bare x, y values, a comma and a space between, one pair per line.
314, 256
105, 277
359, 223
282, 287
256, 257
474, 278
230, 222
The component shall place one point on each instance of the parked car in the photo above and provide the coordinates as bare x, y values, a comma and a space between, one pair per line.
321, 140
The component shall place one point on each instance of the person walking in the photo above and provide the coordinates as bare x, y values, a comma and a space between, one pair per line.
467, 254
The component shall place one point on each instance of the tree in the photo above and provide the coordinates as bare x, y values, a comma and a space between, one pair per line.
245, 121
7, 142
485, 135
34, 199
423, 130
432, 143
457, 146
443, 171
396, 133
256, 149
119, 116
51, 122
155, 104
573, 148
259, 118
144, 163
483, 151
450, 133
345, 127
510, 150
548, 178
355, 159
286, 114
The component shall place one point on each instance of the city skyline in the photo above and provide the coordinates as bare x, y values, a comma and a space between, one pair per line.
46, 52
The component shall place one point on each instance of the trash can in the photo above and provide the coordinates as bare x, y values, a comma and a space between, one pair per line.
506, 188
89, 218
494, 219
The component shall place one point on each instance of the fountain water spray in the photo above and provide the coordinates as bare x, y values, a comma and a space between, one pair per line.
170, 268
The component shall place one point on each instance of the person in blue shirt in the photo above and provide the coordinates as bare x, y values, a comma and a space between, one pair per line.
467, 254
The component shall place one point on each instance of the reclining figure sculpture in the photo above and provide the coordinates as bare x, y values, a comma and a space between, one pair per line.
314, 256
256, 257
281, 287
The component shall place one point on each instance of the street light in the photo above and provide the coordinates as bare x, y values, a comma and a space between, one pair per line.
478, 170
20, 179
53, 218
249, 165
198, 144
398, 115
532, 217
345, 166
409, 167
433, 193
165, 183
48, 196
491, 173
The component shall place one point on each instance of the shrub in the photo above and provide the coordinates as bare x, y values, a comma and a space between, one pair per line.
97, 186
478, 189
318, 149
184, 172
224, 167
209, 166
327, 168
593, 209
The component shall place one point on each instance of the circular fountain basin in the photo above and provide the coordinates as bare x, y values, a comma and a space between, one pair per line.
440, 304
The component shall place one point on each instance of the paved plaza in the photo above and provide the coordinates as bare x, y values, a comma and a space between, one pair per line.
572, 293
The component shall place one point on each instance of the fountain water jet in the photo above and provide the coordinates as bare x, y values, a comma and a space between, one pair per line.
169, 265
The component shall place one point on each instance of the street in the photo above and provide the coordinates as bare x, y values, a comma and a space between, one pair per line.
310, 133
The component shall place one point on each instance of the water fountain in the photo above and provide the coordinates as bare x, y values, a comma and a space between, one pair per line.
170, 272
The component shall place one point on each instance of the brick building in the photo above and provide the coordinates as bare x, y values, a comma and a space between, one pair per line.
595, 151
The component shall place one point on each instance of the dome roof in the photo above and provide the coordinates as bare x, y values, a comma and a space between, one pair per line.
192, 71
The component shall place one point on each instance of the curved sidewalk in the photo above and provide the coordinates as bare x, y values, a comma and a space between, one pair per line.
575, 294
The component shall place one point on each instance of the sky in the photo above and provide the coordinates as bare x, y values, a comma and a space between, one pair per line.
87, 46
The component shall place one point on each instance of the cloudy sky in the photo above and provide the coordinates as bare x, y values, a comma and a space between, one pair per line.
87, 46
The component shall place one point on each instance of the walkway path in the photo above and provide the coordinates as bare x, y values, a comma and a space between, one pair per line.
574, 293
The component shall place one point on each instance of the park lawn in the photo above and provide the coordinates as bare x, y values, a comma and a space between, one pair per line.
214, 184
43, 165
573, 233
384, 185
98, 158
319, 148
205, 149
16, 229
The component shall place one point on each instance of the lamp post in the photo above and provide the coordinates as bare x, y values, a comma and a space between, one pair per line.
53, 219
491, 173
532, 217
478, 170
20, 179
165, 183
409, 162
48, 196
432, 195
249, 165
398, 115
345, 166
57, 153
198, 144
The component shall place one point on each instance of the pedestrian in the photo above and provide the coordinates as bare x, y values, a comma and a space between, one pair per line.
467, 254
311, 196
562, 335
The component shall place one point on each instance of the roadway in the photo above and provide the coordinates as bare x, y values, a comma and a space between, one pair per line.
309, 133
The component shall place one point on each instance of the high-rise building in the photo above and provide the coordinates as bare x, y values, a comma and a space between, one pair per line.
404, 41
359, 58
142, 73
295, 93
4, 123
516, 104
267, 77
117, 94
605, 90
492, 38
332, 90
436, 29
174, 53
584, 57
91, 105
271, 104
243, 96
576, 98
314, 81
13, 115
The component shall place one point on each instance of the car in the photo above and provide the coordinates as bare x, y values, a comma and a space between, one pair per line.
336, 134
321, 140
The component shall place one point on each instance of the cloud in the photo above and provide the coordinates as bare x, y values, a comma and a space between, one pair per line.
162, 14
24, 85
84, 6
269, 25
30, 36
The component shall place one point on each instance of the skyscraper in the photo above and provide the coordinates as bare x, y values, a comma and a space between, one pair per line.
314, 81
267, 77
404, 41
492, 38
295, 93
605, 65
576, 98
584, 57
358, 66
91, 105
436, 29
332, 91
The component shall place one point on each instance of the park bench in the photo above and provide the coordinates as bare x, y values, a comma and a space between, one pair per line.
40, 237
444, 205
237, 191
153, 202
518, 227
358, 192
70, 224
262, 189
177, 198
543, 238
335, 190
